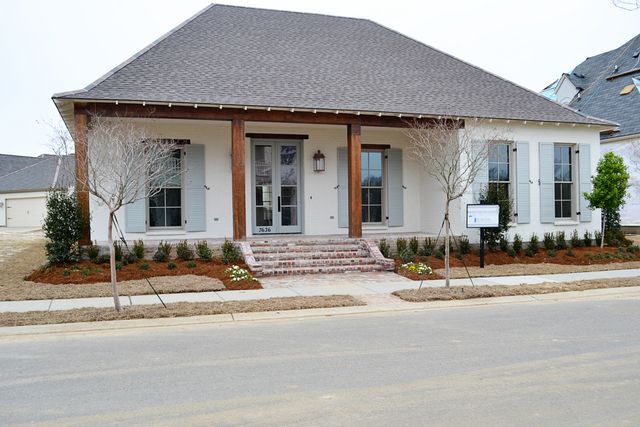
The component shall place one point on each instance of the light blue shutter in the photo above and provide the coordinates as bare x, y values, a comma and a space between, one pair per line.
396, 196
195, 195
523, 189
135, 214
343, 190
547, 200
482, 178
584, 163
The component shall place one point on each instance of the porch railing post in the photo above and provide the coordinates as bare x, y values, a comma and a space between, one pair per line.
237, 179
354, 148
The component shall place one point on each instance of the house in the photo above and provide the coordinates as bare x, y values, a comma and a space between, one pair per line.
24, 184
608, 86
258, 94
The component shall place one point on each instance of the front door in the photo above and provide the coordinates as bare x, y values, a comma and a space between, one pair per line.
276, 186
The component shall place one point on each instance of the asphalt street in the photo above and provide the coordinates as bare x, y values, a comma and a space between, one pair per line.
555, 363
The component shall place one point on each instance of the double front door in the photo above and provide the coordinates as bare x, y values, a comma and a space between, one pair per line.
276, 186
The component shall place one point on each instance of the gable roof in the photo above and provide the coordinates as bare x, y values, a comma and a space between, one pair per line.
238, 56
600, 94
10, 163
39, 174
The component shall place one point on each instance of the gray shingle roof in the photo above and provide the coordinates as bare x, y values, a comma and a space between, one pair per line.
41, 173
255, 57
601, 97
10, 163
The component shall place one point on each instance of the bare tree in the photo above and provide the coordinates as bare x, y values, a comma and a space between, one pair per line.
453, 156
125, 164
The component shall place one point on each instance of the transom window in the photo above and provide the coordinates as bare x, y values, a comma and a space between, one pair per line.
165, 206
372, 185
499, 169
563, 180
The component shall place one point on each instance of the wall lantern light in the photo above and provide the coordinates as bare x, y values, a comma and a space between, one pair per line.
318, 162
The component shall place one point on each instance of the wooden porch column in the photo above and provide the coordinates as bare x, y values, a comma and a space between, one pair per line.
354, 149
81, 123
237, 180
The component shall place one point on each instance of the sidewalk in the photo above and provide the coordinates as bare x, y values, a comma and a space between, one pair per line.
373, 288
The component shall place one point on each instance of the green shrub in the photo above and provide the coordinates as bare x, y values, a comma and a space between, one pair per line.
530, 252
117, 246
414, 245
569, 251
511, 252
439, 254
504, 243
633, 249
191, 264
138, 249
229, 252
184, 251
66, 272
171, 265
517, 243
458, 255
93, 251
62, 227
575, 240
160, 256
129, 258
493, 195
384, 248
103, 259
561, 242
119, 265
144, 266
427, 247
163, 252
552, 253
401, 245
597, 236
465, 246
204, 251
549, 241
533, 245
588, 238
407, 255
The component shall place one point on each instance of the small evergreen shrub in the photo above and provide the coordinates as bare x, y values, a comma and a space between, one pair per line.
504, 243
427, 247
229, 252
119, 265
530, 252
407, 255
171, 265
184, 251
129, 258
117, 246
204, 251
144, 266
93, 252
517, 243
552, 253
633, 249
549, 241
138, 249
384, 248
401, 245
103, 259
561, 242
597, 236
569, 252
588, 238
458, 255
465, 246
511, 252
575, 240
533, 245
62, 227
66, 272
160, 256
439, 254
191, 264
414, 245
163, 252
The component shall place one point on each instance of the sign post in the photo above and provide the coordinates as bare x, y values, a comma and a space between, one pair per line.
482, 216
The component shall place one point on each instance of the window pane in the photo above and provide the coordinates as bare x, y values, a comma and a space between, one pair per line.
263, 165
566, 191
364, 160
365, 196
157, 200
289, 196
365, 214
566, 209
375, 196
259, 198
557, 155
375, 177
493, 153
558, 209
504, 153
558, 192
493, 171
174, 218
375, 213
566, 172
375, 160
557, 172
263, 217
566, 154
365, 178
156, 217
290, 215
173, 197
504, 172
503, 191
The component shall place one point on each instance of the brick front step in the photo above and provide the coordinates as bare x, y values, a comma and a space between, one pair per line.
276, 256
302, 242
305, 248
268, 265
324, 270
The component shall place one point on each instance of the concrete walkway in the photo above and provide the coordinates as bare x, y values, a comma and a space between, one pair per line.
372, 288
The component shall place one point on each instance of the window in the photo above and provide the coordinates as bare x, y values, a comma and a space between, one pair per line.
563, 180
165, 206
500, 169
372, 184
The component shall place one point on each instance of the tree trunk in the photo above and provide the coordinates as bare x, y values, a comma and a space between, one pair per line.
447, 268
112, 264
603, 221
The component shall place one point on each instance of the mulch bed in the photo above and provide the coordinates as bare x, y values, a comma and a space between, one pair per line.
487, 291
86, 272
182, 309
501, 258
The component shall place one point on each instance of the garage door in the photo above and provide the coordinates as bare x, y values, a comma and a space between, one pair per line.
26, 212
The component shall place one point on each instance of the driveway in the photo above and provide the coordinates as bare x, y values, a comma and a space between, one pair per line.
21, 251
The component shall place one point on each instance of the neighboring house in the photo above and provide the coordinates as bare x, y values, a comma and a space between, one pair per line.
608, 86
256, 93
24, 183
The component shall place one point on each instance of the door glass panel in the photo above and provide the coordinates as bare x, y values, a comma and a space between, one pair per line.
289, 165
289, 185
263, 170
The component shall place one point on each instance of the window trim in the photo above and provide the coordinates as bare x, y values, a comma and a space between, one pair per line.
573, 162
383, 193
182, 201
512, 169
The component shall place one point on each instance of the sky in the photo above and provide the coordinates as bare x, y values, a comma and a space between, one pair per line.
55, 46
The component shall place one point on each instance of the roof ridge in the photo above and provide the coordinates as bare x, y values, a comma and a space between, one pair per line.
328, 15
493, 74
132, 58
26, 167
19, 155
